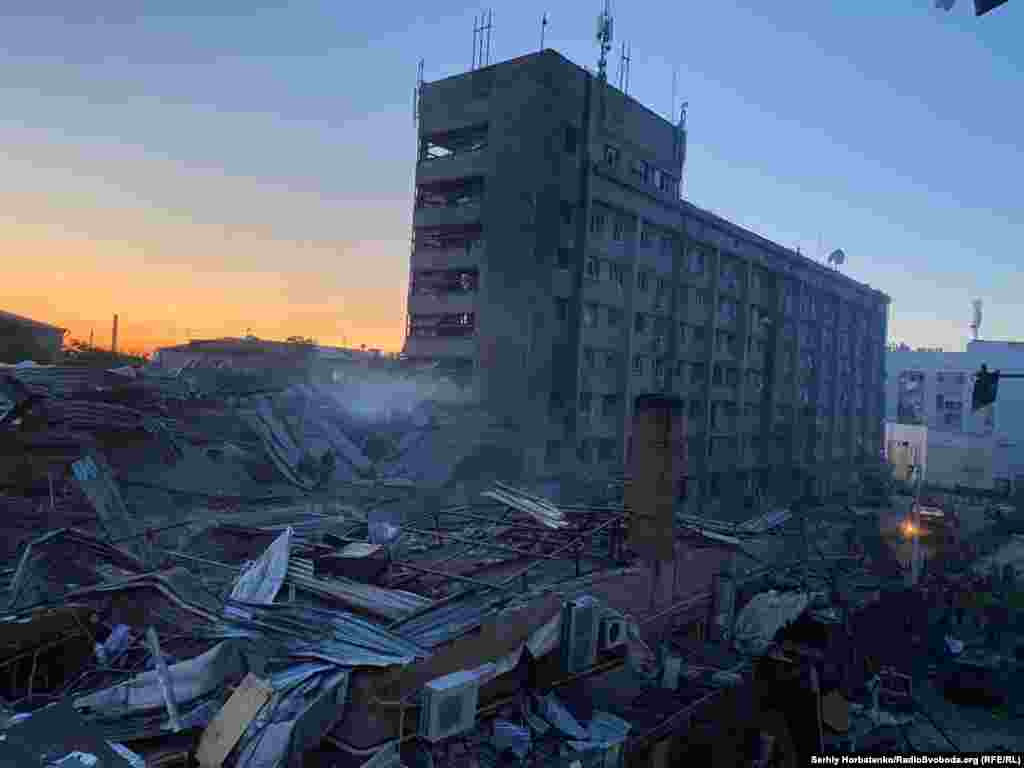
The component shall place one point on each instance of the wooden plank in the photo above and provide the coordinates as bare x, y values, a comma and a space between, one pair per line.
221, 736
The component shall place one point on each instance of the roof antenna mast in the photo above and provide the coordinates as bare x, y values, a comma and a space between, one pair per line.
604, 40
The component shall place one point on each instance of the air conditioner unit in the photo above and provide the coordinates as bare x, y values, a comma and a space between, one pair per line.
449, 705
613, 632
579, 633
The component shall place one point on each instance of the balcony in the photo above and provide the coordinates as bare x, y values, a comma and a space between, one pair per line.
464, 214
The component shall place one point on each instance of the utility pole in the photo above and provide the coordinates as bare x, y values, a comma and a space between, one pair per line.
113, 337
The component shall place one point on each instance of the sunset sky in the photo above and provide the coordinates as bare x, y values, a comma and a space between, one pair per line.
207, 174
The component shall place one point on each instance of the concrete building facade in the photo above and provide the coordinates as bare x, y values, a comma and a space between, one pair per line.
554, 259
932, 388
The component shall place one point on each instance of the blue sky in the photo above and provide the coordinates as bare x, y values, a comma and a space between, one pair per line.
252, 169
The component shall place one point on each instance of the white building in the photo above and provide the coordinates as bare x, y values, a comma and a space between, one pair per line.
932, 389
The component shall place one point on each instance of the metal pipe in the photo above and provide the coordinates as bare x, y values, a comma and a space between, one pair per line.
451, 576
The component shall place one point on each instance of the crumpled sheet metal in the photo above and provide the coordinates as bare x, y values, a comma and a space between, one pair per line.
190, 679
262, 581
176, 584
766, 614
296, 719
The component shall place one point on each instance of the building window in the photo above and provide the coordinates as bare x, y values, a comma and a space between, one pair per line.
606, 449
597, 224
562, 310
702, 298
611, 156
590, 315
699, 373
642, 278
645, 236
727, 310
717, 376
638, 170
553, 452
611, 360
619, 230
662, 286
616, 272
566, 211
695, 262
593, 269
699, 334
589, 358
614, 317
583, 452
570, 139
638, 364
586, 400
640, 324
659, 367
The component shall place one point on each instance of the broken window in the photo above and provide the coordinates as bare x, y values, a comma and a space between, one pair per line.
616, 272
586, 400
566, 211
553, 452
562, 310
610, 406
695, 262
727, 310
440, 145
570, 139
449, 238
607, 449
442, 325
450, 193
435, 282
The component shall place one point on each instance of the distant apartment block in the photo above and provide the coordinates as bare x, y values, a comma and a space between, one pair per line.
931, 388
555, 262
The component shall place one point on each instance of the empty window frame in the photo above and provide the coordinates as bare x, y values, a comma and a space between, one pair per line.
569, 137
440, 145
442, 325
457, 193
444, 281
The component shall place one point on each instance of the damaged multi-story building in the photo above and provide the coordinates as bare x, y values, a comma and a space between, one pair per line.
556, 263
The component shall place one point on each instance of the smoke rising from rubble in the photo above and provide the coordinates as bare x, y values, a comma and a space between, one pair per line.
383, 396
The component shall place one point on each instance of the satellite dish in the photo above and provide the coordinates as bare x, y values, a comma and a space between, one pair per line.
837, 257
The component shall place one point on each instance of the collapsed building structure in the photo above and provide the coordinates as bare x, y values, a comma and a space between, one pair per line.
189, 581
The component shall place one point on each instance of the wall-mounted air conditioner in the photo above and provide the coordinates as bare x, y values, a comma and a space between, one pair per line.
580, 627
449, 705
613, 632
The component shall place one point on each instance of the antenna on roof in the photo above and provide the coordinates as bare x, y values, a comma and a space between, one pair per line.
604, 40
624, 61
976, 323
485, 41
543, 29
416, 93
675, 73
